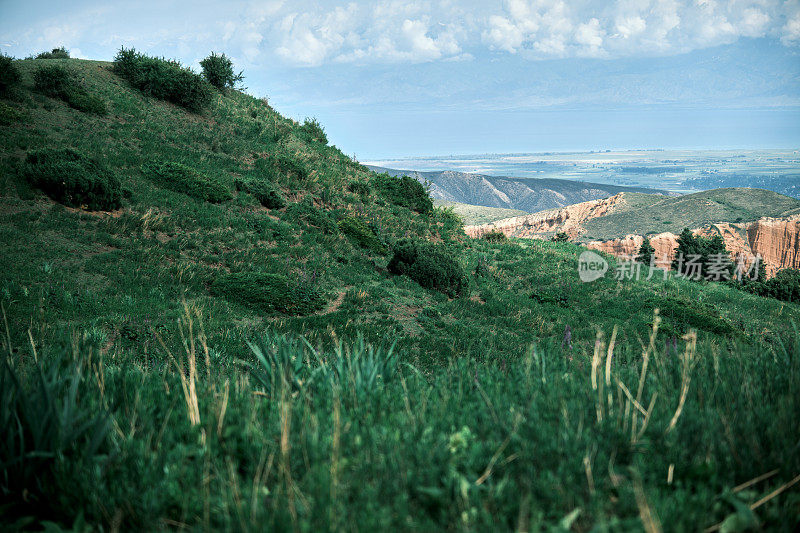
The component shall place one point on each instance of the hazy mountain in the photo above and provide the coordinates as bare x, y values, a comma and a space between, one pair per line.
525, 194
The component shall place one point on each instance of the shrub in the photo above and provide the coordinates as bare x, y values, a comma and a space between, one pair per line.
218, 71
183, 179
73, 180
164, 79
784, 286
359, 233
312, 130
281, 165
309, 214
430, 265
495, 236
265, 192
9, 115
9, 75
404, 191
560, 237
449, 224
56, 81
359, 187
55, 53
269, 293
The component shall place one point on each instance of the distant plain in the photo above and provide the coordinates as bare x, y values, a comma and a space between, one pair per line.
681, 171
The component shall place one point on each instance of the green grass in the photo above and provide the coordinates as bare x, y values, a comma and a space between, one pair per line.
650, 214
478, 214
482, 416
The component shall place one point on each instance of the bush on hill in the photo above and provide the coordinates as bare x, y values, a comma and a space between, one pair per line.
56, 81
495, 236
55, 53
183, 179
359, 187
312, 130
73, 180
9, 75
430, 265
404, 191
307, 213
265, 192
784, 286
164, 79
218, 71
362, 235
269, 293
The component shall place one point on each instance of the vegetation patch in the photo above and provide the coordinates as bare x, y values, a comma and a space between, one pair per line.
404, 191
432, 266
164, 79
56, 81
681, 315
55, 53
9, 75
362, 235
310, 215
784, 286
73, 179
10, 115
312, 130
269, 293
495, 236
183, 179
218, 71
265, 192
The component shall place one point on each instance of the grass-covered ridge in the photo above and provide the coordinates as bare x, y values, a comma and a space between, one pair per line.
211, 352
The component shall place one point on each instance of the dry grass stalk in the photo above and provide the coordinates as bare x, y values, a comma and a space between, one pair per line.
687, 361
223, 407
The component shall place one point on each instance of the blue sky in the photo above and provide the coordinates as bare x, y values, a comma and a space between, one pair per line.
397, 78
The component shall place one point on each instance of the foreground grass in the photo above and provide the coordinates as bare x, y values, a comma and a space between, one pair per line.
351, 439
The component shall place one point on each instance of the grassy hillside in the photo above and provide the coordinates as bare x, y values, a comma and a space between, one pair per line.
205, 361
478, 214
648, 214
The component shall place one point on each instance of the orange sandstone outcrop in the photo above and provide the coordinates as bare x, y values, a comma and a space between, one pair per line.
777, 240
567, 219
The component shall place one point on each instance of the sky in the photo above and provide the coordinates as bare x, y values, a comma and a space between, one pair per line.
396, 79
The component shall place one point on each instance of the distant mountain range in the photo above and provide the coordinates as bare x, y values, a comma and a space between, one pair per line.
525, 194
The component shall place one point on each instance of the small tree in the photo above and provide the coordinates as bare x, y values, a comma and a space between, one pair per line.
646, 252
218, 70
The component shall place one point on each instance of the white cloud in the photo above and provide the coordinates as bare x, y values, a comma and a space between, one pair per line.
590, 35
311, 33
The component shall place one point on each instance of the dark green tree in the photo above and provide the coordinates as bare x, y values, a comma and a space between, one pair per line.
646, 252
702, 258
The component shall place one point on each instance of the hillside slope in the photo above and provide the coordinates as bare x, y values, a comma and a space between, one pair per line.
691, 211
525, 194
139, 392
